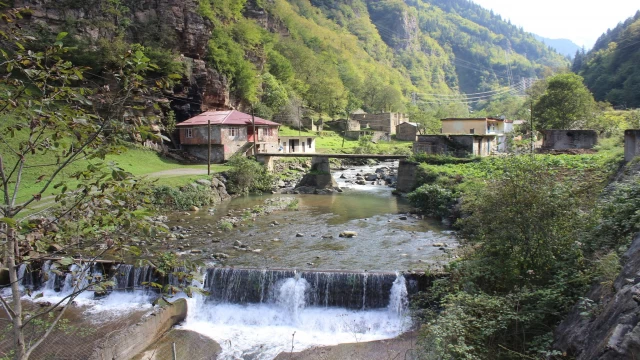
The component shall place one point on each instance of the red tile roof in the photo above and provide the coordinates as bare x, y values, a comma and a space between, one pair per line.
229, 117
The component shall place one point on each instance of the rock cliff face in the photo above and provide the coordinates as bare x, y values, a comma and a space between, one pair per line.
201, 89
611, 330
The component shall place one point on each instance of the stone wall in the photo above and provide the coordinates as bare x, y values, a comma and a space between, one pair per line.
569, 139
406, 131
631, 144
385, 122
200, 151
130, 342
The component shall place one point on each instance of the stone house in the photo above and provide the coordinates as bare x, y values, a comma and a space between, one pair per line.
297, 144
310, 124
455, 145
231, 133
568, 139
407, 131
385, 122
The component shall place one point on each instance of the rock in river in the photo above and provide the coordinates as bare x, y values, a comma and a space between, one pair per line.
348, 234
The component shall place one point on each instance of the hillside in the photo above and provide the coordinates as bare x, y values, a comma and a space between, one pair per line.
565, 47
330, 56
610, 69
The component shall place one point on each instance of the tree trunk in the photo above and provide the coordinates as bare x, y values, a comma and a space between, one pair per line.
18, 333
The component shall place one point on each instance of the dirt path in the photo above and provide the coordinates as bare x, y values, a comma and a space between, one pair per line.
178, 172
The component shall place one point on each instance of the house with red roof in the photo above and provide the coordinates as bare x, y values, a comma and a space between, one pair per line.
232, 132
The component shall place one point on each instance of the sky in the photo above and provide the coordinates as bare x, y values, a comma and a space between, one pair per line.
581, 21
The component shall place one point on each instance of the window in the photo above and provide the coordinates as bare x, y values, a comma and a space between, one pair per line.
234, 131
309, 142
472, 131
188, 133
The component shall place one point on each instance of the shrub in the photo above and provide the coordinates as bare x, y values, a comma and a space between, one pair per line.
182, 198
434, 200
248, 175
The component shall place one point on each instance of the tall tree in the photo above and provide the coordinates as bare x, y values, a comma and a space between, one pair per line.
566, 103
50, 124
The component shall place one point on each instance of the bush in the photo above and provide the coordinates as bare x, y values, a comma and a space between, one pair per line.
441, 159
248, 175
619, 218
434, 200
365, 146
182, 198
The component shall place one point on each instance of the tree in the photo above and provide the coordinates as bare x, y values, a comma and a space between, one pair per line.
54, 136
525, 223
566, 103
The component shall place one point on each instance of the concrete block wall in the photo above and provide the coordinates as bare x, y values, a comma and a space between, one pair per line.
631, 144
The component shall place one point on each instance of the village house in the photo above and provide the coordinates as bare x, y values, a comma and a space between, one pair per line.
465, 136
231, 133
385, 122
297, 144
407, 131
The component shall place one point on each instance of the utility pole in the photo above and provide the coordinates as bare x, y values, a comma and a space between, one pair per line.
253, 122
208, 152
299, 122
531, 121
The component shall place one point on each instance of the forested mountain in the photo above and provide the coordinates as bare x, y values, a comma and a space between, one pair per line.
332, 56
565, 47
610, 69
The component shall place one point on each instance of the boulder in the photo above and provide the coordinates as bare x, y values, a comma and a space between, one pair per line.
299, 235
348, 234
237, 243
204, 182
371, 177
194, 208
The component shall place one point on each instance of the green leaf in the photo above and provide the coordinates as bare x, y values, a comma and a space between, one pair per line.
61, 36
66, 261
10, 222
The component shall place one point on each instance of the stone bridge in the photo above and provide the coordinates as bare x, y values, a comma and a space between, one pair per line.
320, 162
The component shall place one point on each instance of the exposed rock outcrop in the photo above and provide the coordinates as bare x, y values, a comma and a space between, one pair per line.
132, 341
611, 329
178, 21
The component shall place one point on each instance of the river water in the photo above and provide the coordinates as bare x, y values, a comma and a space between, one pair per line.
330, 292
388, 239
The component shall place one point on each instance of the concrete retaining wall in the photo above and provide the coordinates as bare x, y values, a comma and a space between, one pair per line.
631, 144
130, 342
407, 172
569, 139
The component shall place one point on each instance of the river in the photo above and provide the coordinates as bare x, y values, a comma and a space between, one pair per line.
307, 288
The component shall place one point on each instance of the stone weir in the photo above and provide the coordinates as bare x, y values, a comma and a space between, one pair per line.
346, 289
323, 288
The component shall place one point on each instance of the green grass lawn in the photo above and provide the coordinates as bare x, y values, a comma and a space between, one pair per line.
333, 142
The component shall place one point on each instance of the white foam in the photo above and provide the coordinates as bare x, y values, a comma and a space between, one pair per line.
263, 331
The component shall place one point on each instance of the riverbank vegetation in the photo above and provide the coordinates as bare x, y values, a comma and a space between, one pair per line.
537, 230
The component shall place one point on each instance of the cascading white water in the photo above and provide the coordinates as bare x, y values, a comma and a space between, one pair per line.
263, 330
291, 296
399, 296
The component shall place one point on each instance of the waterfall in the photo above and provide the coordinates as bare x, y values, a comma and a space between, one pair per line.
399, 296
291, 296
253, 313
349, 290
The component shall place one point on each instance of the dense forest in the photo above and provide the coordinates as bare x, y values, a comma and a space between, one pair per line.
610, 69
331, 57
